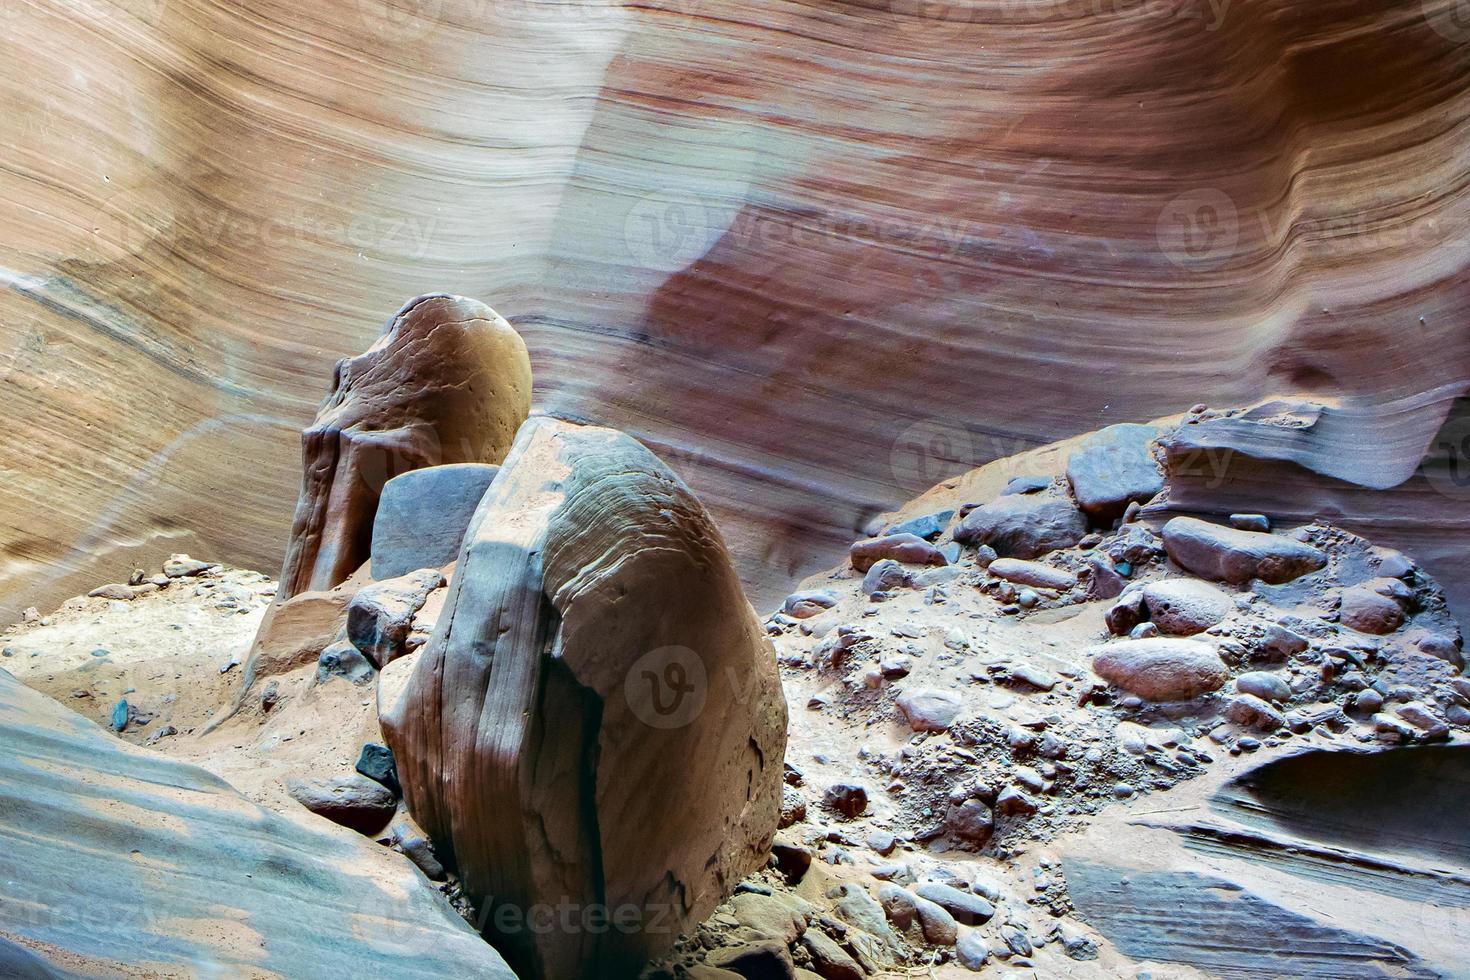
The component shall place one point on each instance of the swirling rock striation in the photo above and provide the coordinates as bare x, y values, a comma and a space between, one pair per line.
818, 255
118, 861
596, 724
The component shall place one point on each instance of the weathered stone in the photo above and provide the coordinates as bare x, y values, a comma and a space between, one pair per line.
970, 820
353, 801
972, 951
812, 602
1160, 669
768, 916
909, 549
1282, 643
380, 616
563, 682
792, 858
1034, 573
376, 763
764, 960
1253, 712
885, 575
1101, 578
1227, 555
1184, 607
938, 926
1264, 685
1368, 610
423, 514
970, 909
448, 381
793, 806
847, 799
1250, 522
1126, 613
1112, 468
182, 566
898, 905
1024, 526
929, 709
829, 960
925, 526
343, 660
113, 591
1026, 484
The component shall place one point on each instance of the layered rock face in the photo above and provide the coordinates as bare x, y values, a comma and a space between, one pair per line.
118, 861
596, 728
703, 217
448, 381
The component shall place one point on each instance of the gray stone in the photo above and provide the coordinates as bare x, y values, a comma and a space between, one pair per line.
970, 820
885, 576
1112, 468
182, 566
926, 526
1024, 526
344, 660
972, 951
1282, 643
929, 709
353, 801
1033, 573
1026, 484
909, 549
938, 926
380, 616
1250, 522
1183, 607
809, 603
1227, 555
1160, 669
120, 715
1264, 685
898, 905
829, 960
376, 763
423, 515
969, 909
1252, 712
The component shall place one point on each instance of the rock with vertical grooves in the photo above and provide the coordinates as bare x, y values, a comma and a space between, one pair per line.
567, 714
448, 381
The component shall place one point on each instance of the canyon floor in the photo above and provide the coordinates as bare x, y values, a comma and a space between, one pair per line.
964, 792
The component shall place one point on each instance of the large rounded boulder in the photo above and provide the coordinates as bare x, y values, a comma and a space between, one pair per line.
596, 727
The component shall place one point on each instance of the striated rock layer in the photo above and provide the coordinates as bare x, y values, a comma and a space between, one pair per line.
118, 861
596, 727
819, 255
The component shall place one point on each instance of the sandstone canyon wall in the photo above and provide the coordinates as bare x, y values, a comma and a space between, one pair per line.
817, 255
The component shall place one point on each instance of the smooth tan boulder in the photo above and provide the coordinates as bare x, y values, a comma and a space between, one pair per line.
448, 381
597, 722
1226, 554
1160, 669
